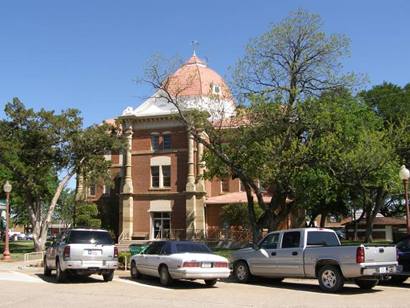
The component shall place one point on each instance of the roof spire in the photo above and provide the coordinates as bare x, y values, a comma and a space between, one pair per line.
194, 45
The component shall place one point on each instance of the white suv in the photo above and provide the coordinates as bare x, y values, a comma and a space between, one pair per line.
82, 252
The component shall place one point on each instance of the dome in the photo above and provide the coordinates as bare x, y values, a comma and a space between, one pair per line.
195, 78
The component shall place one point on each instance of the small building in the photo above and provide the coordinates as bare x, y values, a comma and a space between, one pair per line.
384, 228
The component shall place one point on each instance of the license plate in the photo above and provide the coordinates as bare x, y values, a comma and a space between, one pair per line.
93, 252
206, 264
382, 270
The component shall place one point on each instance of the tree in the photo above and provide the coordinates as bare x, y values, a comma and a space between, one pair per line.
292, 61
87, 215
280, 69
42, 151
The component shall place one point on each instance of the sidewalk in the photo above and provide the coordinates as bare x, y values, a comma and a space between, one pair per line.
17, 265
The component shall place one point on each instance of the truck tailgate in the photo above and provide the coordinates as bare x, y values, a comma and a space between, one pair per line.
380, 254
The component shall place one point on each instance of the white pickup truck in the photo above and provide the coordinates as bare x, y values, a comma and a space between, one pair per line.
314, 253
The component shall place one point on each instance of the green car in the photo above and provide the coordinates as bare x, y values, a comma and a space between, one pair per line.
137, 248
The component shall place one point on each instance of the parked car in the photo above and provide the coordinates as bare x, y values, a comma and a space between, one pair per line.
403, 255
314, 253
82, 252
171, 260
136, 248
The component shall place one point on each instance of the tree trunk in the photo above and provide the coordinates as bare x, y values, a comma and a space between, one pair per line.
323, 217
41, 222
372, 213
251, 215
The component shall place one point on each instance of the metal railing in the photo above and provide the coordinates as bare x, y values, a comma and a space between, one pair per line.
33, 257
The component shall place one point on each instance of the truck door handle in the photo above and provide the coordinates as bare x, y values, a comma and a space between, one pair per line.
294, 253
273, 253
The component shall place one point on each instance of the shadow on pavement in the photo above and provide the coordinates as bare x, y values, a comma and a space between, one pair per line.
176, 284
71, 279
348, 289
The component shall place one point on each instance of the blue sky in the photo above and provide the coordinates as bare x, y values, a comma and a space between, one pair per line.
87, 54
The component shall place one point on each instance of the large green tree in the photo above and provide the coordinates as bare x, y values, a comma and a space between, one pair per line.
42, 151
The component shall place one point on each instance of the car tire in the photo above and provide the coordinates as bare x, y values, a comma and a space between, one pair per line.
109, 276
241, 272
398, 279
47, 270
164, 276
366, 284
135, 274
210, 282
330, 278
60, 274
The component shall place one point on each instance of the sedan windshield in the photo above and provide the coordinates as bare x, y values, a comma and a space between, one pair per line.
192, 247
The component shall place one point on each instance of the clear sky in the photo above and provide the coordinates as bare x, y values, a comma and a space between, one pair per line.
87, 54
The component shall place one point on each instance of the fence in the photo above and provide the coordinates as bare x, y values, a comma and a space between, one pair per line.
33, 257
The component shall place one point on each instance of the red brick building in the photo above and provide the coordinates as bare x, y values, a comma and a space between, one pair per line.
159, 191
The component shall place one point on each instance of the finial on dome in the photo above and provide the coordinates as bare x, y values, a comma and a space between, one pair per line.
194, 44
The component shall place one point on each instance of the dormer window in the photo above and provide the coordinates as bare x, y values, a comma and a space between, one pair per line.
216, 89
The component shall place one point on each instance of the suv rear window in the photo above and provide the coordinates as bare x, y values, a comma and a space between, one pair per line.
90, 237
322, 238
191, 247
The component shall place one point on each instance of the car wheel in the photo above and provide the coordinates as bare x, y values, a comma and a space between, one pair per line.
241, 272
164, 276
398, 279
330, 278
109, 276
366, 284
60, 274
211, 282
134, 271
47, 270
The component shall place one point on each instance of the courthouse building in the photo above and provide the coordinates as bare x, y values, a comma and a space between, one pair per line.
159, 189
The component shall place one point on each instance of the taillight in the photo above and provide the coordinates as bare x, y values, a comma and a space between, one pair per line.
115, 252
190, 264
360, 254
220, 264
66, 252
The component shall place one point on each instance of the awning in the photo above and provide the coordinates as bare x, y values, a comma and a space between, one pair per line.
160, 206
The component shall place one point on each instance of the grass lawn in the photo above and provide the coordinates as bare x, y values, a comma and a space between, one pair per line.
18, 249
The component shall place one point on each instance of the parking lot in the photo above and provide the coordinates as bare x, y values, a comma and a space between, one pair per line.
29, 288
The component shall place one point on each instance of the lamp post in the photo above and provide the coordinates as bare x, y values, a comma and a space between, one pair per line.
6, 253
404, 176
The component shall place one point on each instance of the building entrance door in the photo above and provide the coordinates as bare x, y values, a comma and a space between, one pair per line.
161, 225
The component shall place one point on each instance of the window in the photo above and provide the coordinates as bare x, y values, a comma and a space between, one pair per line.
291, 239
322, 238
155, 176
93, 190
154, 248
216, 89
270, 241
166, 176
90, 237
191, 248
161, 225
224, 184
166, 141
155, 142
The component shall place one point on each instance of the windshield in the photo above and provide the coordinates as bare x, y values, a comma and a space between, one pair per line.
192, 247
90, 237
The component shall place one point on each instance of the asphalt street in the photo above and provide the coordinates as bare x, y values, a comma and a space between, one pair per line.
29, 288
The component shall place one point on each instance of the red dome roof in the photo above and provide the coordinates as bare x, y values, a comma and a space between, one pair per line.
194, 78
